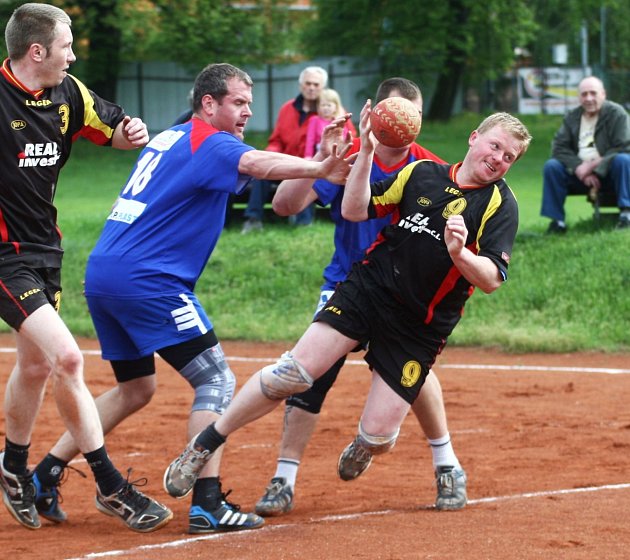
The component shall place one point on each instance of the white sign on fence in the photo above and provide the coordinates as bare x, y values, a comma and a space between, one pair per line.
552, 91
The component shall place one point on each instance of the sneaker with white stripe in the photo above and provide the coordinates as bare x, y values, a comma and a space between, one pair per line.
227, 517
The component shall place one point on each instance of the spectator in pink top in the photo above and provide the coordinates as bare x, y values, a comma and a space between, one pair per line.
329, 108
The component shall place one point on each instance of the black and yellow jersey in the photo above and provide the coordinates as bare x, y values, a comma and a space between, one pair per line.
37, 129
410, 258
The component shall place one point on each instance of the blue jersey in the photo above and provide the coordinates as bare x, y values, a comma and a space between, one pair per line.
169, 215
352, 239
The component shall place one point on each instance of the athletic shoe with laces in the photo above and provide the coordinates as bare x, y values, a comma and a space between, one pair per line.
18, 495
353, 460
182, 473
47, 500
227, 517
139, 512
451, 488
277, 500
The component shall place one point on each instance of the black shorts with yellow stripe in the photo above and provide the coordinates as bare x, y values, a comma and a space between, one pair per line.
24, 289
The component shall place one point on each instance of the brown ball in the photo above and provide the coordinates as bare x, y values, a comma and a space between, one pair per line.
395, 122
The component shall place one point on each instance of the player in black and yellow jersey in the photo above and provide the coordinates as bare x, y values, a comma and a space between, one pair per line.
452, 229
43, 110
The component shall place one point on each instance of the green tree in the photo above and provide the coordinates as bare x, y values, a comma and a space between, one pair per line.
197, 32
423, 39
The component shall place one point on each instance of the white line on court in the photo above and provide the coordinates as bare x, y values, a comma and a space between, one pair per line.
560, 369
345, 517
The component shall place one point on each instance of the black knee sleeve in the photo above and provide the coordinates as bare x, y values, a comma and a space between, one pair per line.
313, 399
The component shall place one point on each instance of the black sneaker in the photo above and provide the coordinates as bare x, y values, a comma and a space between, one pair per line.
47, 502
139, 512
556, 227
227, 517
47, 499
18, 494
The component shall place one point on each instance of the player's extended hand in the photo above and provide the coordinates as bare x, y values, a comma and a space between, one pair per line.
135, 131
455, 234
368, 141
336, 166
333, 134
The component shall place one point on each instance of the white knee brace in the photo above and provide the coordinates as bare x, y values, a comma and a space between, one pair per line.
376, 444
284, 378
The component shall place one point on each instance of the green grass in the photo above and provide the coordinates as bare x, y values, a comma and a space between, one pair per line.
564, 293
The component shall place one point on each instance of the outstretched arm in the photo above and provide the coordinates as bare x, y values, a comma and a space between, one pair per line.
274, 166
293, 195
356, 196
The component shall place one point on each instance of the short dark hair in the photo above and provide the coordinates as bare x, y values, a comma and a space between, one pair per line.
212, 80
32, 23
406, 88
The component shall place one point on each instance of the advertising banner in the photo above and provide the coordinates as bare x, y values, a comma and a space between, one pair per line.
551, 91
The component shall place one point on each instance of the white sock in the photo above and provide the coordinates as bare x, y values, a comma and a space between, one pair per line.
443, 453
287, 469
625, 213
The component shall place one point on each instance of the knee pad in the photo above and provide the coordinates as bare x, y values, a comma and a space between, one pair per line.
212, 379
284, 378
376, 445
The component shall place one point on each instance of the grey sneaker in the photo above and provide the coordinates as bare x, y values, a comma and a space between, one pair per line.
451, 488
139, 512
277, 500
250, 225
353, 461
18, 494
182, 473
623, 223
227, 517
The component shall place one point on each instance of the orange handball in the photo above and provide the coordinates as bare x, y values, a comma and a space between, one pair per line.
395, 122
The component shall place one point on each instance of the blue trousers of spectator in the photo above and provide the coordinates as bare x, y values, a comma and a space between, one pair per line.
558, 184
258, 195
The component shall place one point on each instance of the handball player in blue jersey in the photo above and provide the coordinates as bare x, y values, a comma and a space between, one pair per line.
352, 240
452, 230
157, 239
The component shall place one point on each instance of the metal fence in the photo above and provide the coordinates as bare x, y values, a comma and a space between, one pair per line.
158, 91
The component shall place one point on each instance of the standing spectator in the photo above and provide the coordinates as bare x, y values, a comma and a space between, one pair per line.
288, 137
140, 277
329, 108
590, 152
352, 240
452, 230
43, 110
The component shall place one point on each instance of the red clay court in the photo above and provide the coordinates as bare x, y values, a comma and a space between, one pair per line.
544, 439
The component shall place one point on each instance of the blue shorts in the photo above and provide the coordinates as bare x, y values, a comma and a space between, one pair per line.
129, 329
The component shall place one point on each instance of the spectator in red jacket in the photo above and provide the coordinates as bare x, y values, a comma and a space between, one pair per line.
288, 137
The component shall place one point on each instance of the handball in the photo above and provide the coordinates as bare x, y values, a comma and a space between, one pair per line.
395, 122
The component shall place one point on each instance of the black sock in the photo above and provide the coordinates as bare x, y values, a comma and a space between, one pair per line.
210, 439
107, 477
49, 470
15, 457
207, 493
